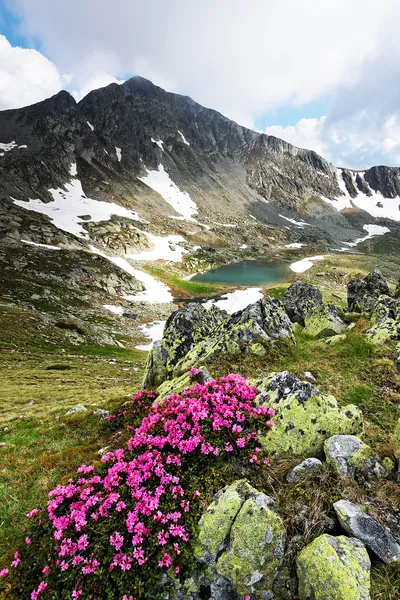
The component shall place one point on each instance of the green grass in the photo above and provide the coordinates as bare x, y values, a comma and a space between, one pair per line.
187, 288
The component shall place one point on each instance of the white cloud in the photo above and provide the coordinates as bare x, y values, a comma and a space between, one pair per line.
98, 80
356, 142
244, 59
26, 76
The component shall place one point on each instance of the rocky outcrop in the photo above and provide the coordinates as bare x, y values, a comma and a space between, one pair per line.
242, 541
362, 293
304, 305
304, 417
194, 336
363, 527
386, 320
300, 300
350, 456
334, 568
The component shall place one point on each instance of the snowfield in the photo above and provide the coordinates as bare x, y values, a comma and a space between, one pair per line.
237, 300
159, 181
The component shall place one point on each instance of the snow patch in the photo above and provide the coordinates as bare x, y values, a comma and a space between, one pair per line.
162, 249
160, 143
160, 182
156, 292
46, 246
376, 205
154, 331
73, 170
10, 146
119, 153
90, 125
294, 245
304, 264
298, 223
70, 203
117, 310
183, 138
237, 300
372, 231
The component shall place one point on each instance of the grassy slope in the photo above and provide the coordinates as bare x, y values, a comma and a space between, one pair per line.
42, 449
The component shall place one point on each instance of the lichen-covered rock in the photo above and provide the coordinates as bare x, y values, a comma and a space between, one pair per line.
347, 454
362, 293
386, 320
178, 384
335, 339
397, 439
194, 336
308, 465
360, 525
215, 524
184, 328
256, 549
303, 303
334, 568
300, 300
304, 417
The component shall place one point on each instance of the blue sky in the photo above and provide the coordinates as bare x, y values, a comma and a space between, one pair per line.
297, 70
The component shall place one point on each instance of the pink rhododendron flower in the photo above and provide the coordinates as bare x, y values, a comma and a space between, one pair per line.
4, 573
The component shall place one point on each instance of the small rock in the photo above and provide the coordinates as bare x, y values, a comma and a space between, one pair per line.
309, 376
349, 455
76, 409
360, 525
2, 444
308, 465
103, 451
6, 429
334, 568
335, 339
101, 413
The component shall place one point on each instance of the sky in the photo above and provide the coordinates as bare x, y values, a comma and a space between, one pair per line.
320, 75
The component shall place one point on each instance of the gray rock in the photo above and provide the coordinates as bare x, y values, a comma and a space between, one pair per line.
308, 465
300, 300
349, 455
360, 525
363, 293
100, 412
75, 409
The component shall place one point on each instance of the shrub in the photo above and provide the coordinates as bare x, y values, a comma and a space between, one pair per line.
123, 527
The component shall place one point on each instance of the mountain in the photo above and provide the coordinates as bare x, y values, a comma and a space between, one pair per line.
163, 155
133, 172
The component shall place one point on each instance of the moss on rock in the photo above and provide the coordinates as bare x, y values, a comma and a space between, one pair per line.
304, 417
334, 568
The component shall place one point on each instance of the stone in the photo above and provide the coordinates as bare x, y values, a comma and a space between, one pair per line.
194, 336
309, 465
386, 320
368, 530
308, 375
100, 412
362, 293
300, 300
304, 416
75, 409
215, 524
348, 455
324, 322
334, 568
335, 339
256, 548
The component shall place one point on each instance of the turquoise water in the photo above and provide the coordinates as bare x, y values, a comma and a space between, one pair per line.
247, 272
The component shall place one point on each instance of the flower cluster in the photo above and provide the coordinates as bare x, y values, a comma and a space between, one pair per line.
133, 511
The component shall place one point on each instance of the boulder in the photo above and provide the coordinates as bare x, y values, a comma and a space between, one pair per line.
386, 320
360, 525
300, 300
178, 384
242, 541
76, 409
324, 322
362, 293
309, 465
183, 329
348, 455
334, 568
194, 336
304, 417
